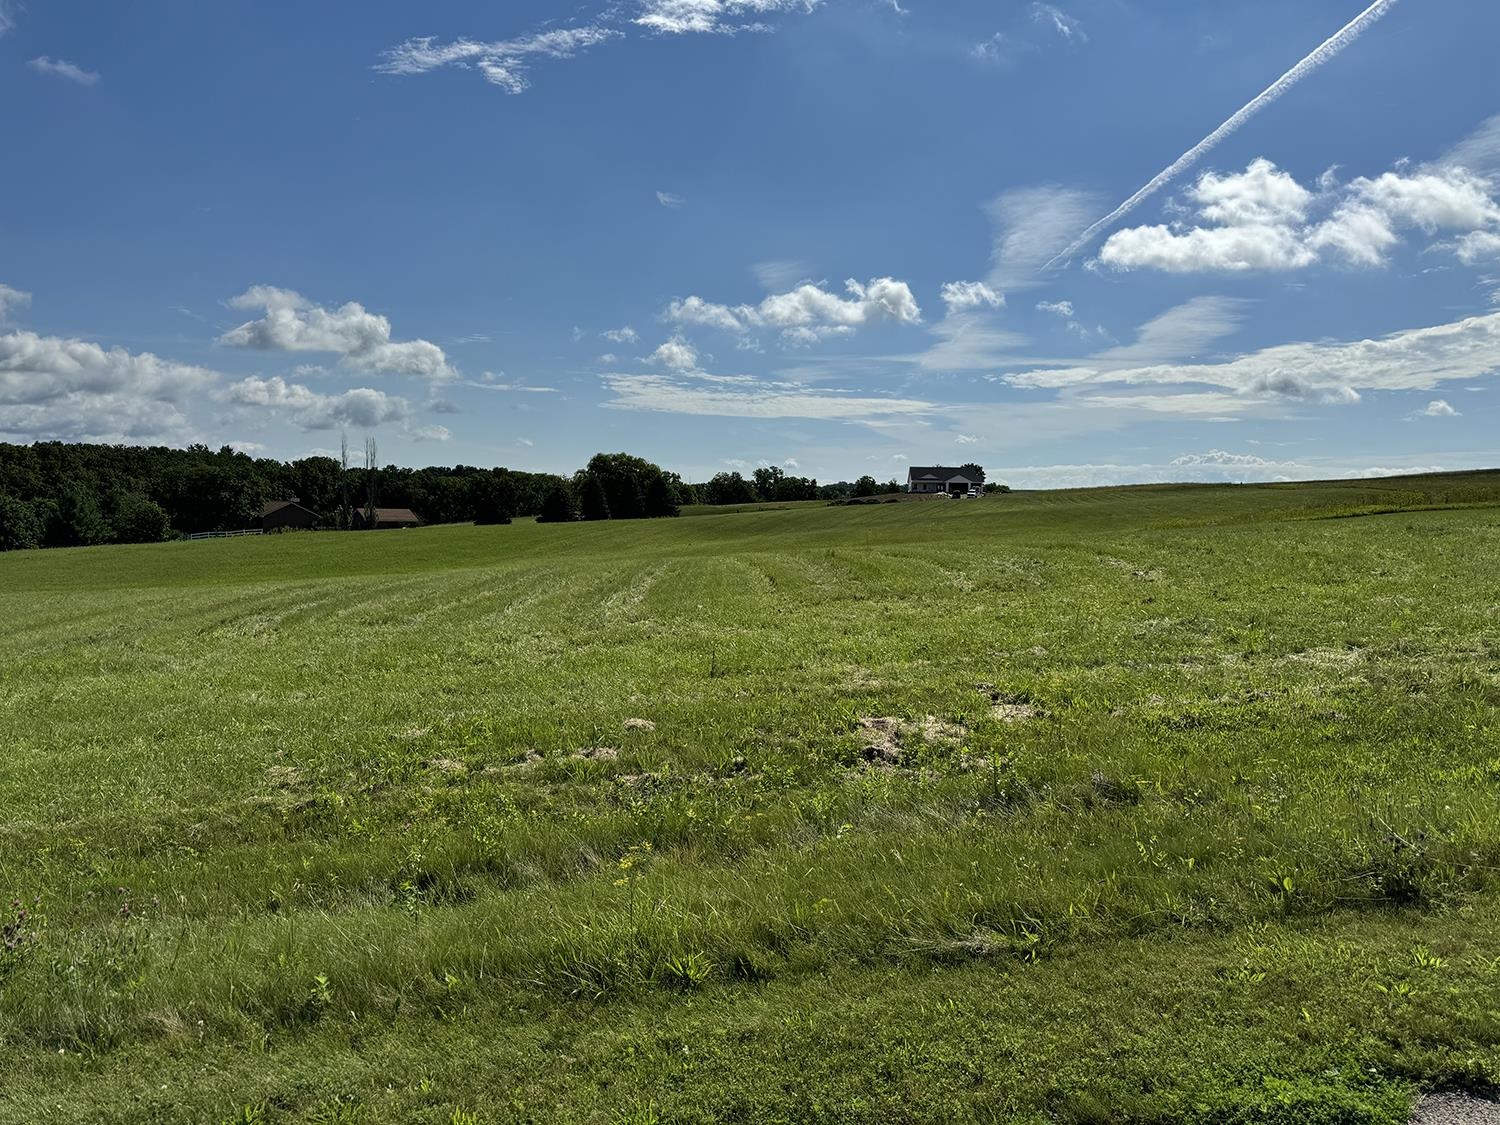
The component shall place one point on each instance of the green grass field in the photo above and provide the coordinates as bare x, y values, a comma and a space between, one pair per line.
1155, 804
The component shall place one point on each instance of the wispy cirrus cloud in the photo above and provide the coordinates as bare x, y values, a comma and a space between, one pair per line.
507, 63
504, 62
1330, 372
720, 17
744, 396
1057, 21
61, 68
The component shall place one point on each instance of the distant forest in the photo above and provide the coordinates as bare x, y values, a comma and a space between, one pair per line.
57, 494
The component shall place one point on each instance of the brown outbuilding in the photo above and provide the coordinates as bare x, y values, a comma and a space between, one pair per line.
387, 518
287, 515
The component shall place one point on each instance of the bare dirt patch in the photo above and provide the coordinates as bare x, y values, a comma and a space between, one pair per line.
597, 753
645, 725
1008, 706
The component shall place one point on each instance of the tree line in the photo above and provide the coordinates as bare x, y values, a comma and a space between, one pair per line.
62, 494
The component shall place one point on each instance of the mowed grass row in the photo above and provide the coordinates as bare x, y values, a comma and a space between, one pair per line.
263, 787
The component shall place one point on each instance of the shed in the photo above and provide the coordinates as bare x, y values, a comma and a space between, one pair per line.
287, 515
387, 518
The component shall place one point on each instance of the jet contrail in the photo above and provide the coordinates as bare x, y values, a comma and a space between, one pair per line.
1329, 48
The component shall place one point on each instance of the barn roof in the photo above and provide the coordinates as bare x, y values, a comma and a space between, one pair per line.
277, 505
943, 472
396, 515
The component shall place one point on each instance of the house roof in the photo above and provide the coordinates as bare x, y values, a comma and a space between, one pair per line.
943, 472
396, 515
278, 505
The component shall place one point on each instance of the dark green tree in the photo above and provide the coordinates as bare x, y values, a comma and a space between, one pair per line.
866, 486
21, 528
592, 502
138, 520
493, 497
559, 505
76, 521
728, 488
660, 501
977, 470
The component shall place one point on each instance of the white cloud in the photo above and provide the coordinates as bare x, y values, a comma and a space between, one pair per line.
960, 296
1030, 226
504, 63
1415, 359
668, 199
725, 17
1478, 246
743, 396
363, 339
61, 68
1479, 152
1181, 332
626, 335
676, 355
52, 387
609, 359
428, 433
496, 381
808, 312
997, 49
10, 300
360, 407
965, 439
1063, 309
8, 9
781, 273
1055, 19
1439, 408
1263, 219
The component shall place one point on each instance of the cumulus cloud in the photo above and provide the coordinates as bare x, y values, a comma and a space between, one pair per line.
52, 387
626, 335
361, 407
808, 312
1263, 219
363, 339
428, 433
1414, 359
61, 68
961, 296
723, 17
505, 63
10, 300
1439, 408
676, 355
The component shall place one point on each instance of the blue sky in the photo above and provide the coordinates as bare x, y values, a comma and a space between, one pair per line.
720, 233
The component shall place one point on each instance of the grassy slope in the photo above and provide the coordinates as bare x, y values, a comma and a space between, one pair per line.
1264, 747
